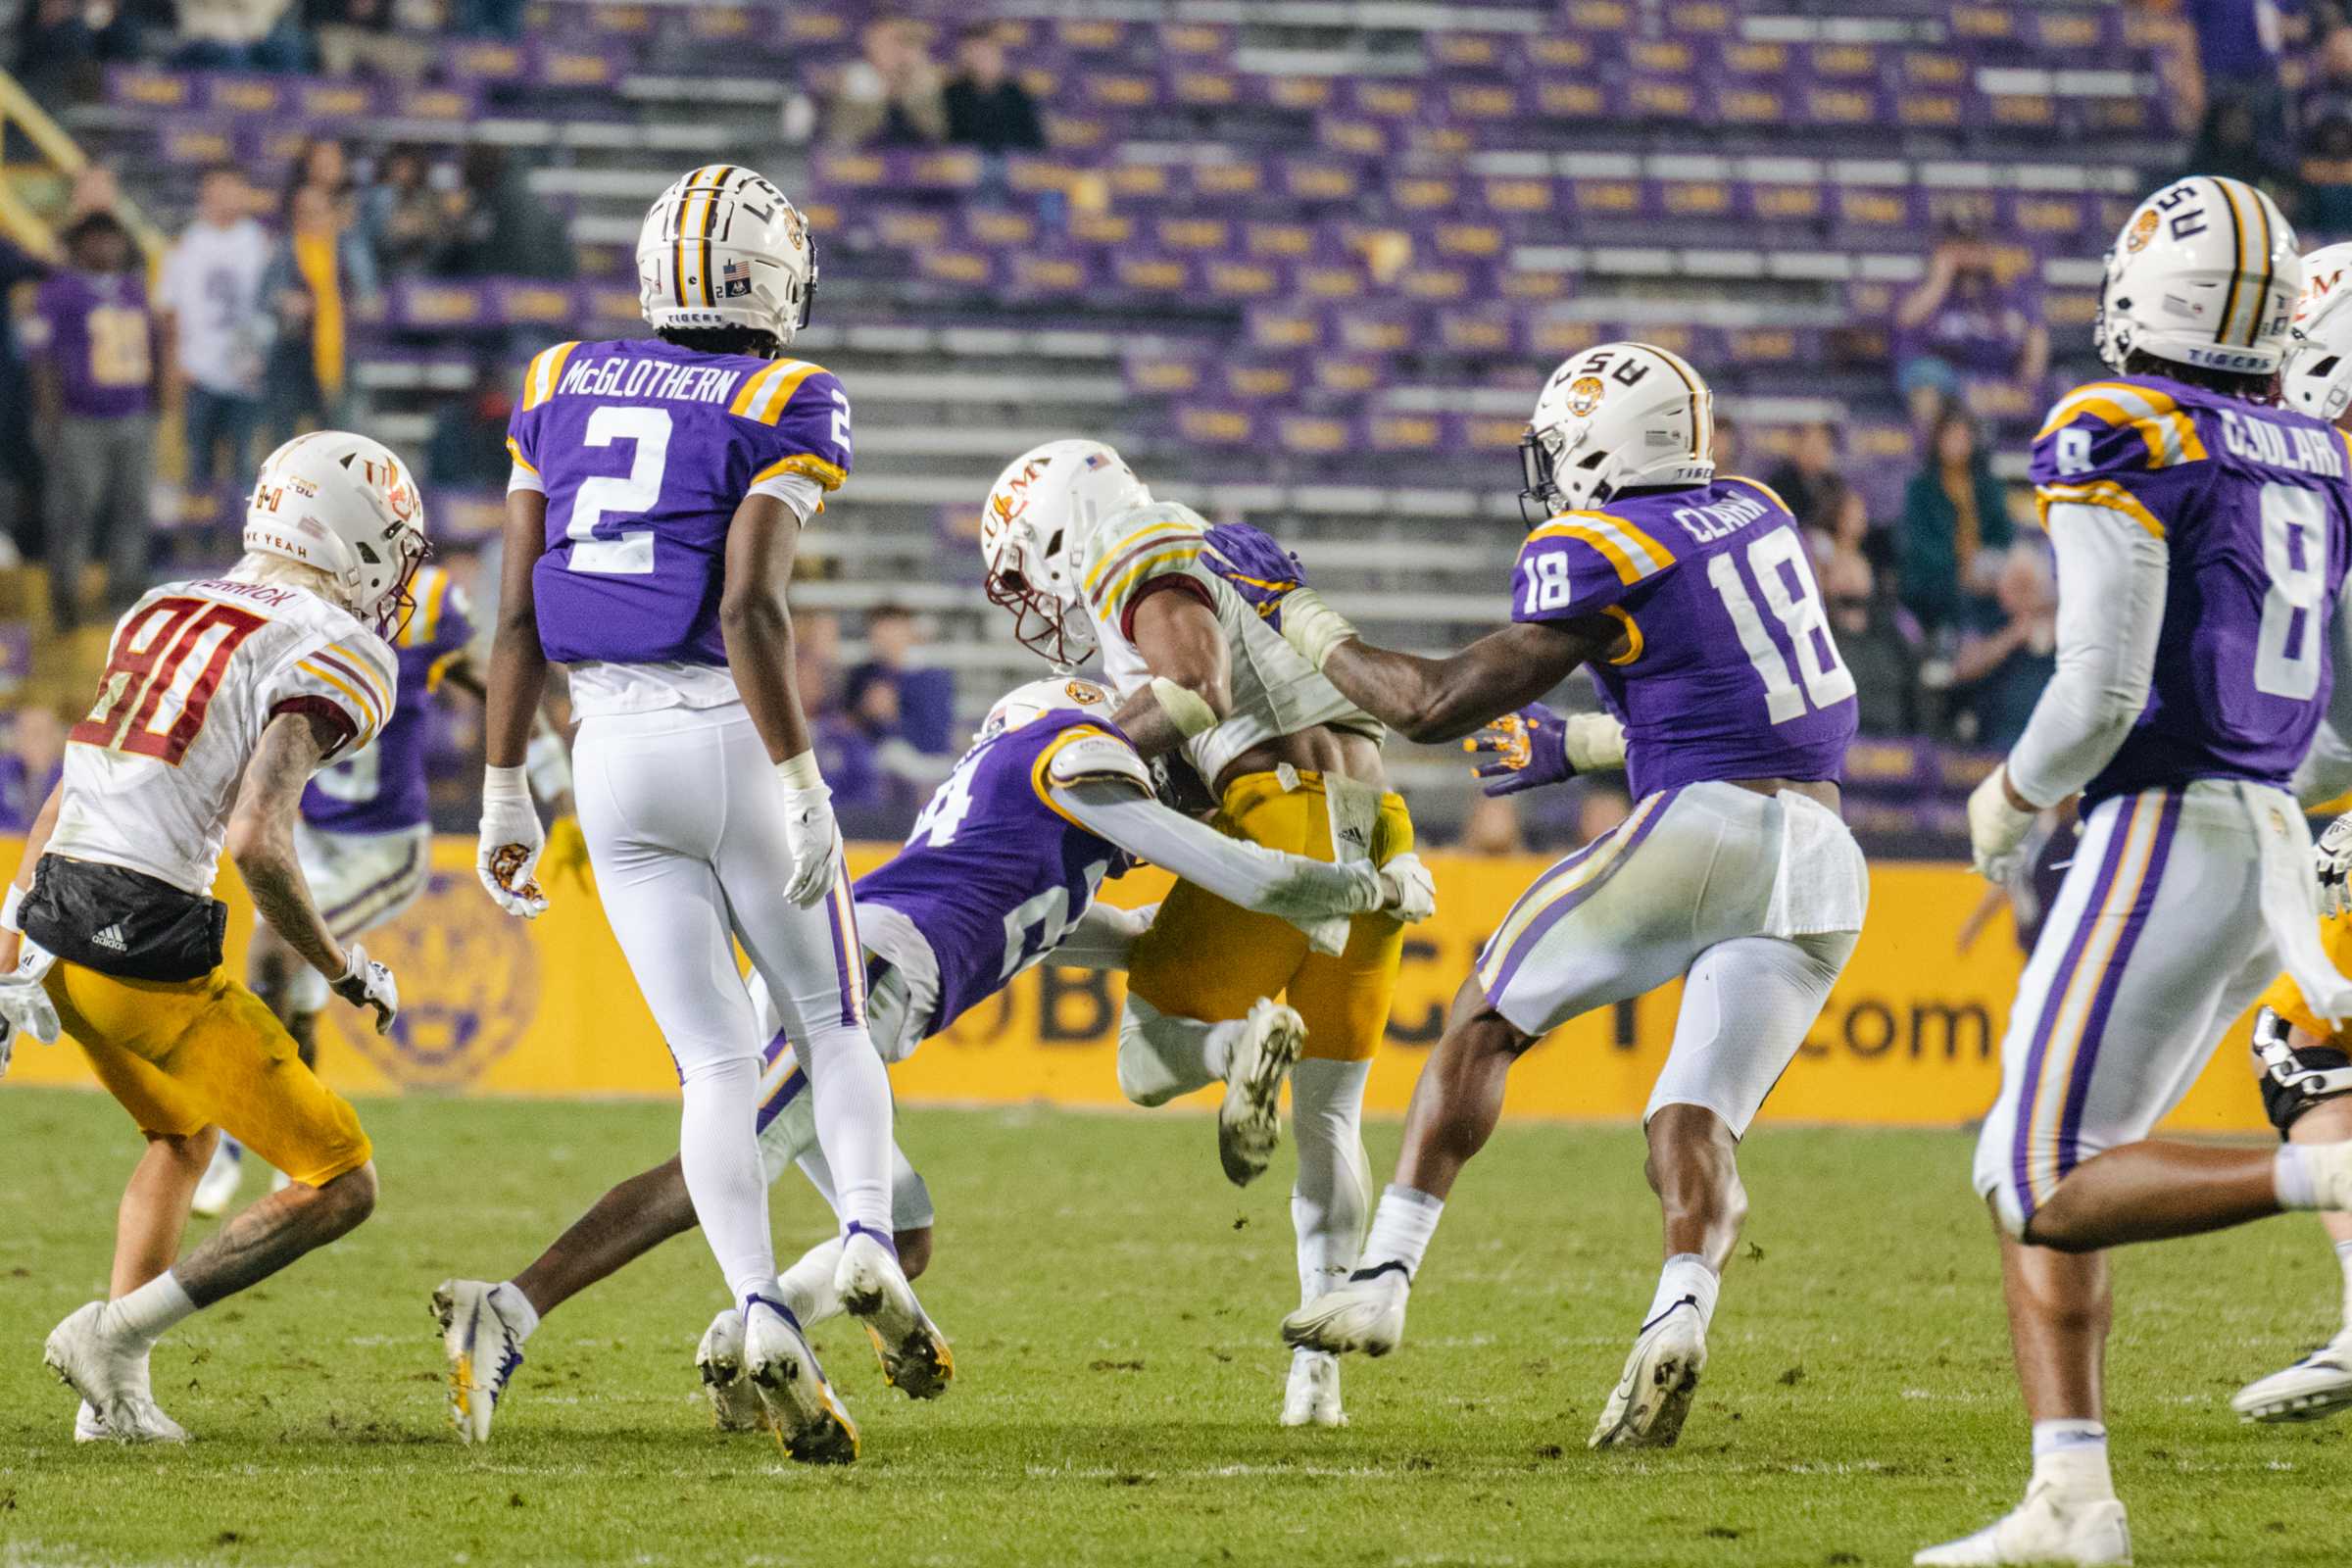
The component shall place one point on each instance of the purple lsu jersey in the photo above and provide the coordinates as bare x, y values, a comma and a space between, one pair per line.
96, 331
381, 787
644, 451
994, 875
1727, 668
2251, 504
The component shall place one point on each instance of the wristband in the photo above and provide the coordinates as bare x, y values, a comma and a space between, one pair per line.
1312, 626
800, 772
9, 907
1186, 709
503, 785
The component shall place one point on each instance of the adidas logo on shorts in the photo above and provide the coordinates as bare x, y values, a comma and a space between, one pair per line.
111, 939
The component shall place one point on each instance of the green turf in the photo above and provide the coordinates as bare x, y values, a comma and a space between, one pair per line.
1114, 1304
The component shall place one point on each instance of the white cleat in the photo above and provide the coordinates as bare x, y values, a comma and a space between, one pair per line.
873, 1288
222, 1179
795, 1401
2044, 1529
1249, 1122
483, 1349
1367, 1315
2316, 1387
112, 1379
734, 1402
1648, 1407
89, 1426
1312, 1399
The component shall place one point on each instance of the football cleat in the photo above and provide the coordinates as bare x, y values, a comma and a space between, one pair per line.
2316, 1387
89, 1426
1367, 1315
1249, 1122
795, 1401
2045, 1527
111, 1376
222, 1179
734, 1402
914, 1355
483, 1351
1647, 1409
1312, 1399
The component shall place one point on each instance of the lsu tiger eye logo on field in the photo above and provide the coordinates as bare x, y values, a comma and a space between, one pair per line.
468, 985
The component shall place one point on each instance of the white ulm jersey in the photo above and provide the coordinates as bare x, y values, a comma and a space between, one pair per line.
1275, 691
194, 674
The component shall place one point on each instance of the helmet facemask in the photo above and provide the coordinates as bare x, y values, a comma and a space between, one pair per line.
397, 604
1055, 630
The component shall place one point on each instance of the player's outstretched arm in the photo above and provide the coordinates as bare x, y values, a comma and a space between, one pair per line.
1192, 671
756, 623
510, 837
1443, 699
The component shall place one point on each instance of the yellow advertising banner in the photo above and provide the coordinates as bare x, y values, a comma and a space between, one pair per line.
490, 1005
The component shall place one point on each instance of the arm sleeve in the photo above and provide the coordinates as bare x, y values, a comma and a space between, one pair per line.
2112, 574
1239, 872
1101, 938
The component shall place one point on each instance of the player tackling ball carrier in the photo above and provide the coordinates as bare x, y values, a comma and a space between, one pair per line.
1690, 599
220, 700
657, 494
2202, 532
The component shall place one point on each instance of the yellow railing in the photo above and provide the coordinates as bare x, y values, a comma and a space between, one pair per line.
18, 218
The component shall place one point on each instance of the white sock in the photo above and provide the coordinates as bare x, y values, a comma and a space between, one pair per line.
848, 1095
1400, 1229
1331, 1199
144, 1314
1161, 1057
2297, 1183
806, 1288
514, 1309
1685, 1275
718, 1148
2072, 1455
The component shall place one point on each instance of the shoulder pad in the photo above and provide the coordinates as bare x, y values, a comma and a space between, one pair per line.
1087, 755
1149, 542
2114, 427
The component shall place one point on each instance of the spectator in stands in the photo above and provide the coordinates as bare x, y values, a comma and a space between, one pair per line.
501, 228
1491, 827
924, 700
30, 765
21, 475
987, 108
211, 298
360, 37
2229, 143
95, 362
2328, 95
320, 272
1601, 809
240, 36
468, 445
97, 189
407, 222
891, 97
62, 44
489, 18
2009, 650
1882, 661
2239, 46
867, 763
1954, 511
2326, 179
319, 164
1807, 481
1960, 323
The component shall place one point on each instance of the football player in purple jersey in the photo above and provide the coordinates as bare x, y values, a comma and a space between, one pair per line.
1690, 597
999, 875
2202, 530
654, 507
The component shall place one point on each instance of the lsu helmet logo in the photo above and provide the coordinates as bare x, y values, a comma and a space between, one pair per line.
2143, 229
1086, 694
1585, 394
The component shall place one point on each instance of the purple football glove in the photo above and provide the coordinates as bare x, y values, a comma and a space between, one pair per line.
1257, 568
1530, 749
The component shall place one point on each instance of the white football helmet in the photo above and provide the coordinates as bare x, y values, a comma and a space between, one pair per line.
1040, 514
723, 247
1611, 418
344, 504
2204, 274
2318, 375
1022, 704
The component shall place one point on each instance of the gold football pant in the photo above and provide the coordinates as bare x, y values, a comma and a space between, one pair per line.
1209, 960
183, 1056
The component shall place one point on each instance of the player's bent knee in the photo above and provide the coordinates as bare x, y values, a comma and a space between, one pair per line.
350, 1199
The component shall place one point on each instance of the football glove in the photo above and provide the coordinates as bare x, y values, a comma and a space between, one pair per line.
1408, 892
1535, 746
511, 840
566, 854
24, 1006
366, 983
814, 839
1997, 829
2331, 857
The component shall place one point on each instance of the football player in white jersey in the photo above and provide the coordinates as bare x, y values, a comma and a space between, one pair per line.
1084, 557
220, 698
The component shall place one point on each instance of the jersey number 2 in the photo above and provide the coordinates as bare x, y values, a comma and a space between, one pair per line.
161, 676
621, 552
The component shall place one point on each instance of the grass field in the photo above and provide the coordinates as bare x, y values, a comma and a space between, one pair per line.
1114, 1304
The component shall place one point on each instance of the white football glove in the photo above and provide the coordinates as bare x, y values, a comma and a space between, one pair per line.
1408, 892
1997, 829
511, 841
26, 1007
366, 983
2331, 857
815, 840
